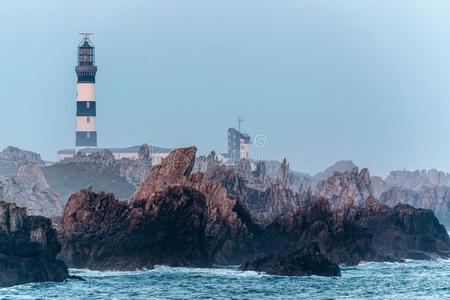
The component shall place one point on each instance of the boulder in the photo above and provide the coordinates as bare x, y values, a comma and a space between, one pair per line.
304, 262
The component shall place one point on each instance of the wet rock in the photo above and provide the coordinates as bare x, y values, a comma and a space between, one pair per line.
28, 248
224, 216
374, 232
99, 232
436, 198
305, 262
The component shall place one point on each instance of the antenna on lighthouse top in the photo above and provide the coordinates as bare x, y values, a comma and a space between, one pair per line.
86, 35
240, 120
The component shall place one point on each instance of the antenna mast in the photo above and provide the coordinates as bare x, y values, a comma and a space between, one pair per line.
86, 35
240, 120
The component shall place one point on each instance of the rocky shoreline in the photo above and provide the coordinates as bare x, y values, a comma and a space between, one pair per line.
212, 214
213, 224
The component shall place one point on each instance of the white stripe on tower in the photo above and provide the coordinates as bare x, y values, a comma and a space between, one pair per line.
86, 133
86, 92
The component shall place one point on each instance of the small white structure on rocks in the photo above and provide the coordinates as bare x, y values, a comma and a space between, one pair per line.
156, 154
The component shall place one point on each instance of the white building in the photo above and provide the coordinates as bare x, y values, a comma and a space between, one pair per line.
157, 154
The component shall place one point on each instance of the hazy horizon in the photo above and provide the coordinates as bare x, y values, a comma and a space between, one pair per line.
316, 81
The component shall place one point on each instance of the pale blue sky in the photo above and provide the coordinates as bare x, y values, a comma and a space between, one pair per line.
322, 80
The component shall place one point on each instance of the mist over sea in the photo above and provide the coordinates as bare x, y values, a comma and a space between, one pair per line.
410, 280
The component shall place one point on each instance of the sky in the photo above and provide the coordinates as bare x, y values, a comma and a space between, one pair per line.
315, 81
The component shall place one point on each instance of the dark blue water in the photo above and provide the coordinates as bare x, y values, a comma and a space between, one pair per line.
411, 280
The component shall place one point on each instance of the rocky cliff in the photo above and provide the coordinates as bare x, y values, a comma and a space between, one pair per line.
28, 248
29, 188
227, 230
17, 155
417, 180
99, 232
340, 166
179, 218
374, 232
263, 197
11, 158
436, 198
206, 163
346, 189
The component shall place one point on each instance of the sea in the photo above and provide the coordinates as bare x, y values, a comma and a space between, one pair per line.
409, 280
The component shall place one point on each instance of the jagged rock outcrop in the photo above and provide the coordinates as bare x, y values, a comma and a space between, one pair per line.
378, 186
206, 163
28, 248
436, 198
283, 174
374, 232
263, 197
28, 188
304, 262
346, 189
227, 233
17, 155
179, 218
341, 166
135, 171
99, 232
261, 171
175, 169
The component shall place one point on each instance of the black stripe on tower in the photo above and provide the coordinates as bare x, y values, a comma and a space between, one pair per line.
86, 78
86, 109
86, 73
86, 139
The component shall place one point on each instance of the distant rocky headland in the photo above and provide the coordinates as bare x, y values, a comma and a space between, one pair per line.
193, 211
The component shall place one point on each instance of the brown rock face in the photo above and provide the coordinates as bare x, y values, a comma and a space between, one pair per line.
436, 198
264, 198
175, 169
180, 219
374, 232
173, 219
229, 225
100, 232
28, 248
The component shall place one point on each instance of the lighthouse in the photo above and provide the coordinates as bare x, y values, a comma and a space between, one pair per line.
86, 133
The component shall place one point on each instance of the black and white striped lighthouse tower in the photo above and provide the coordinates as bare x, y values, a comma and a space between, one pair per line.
86, 133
